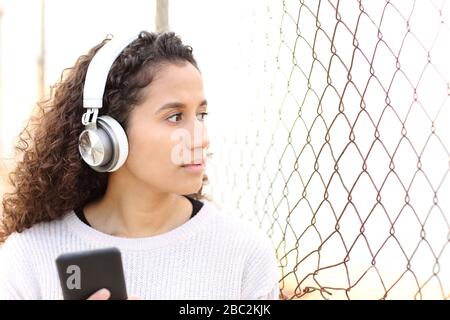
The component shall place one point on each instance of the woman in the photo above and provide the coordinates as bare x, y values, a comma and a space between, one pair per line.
175, 243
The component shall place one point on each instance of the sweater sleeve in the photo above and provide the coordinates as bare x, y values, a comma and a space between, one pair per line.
16, 273
261, 274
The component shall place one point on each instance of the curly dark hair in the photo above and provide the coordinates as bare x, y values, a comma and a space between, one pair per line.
51, 178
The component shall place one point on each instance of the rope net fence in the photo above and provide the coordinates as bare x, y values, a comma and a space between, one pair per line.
342, 155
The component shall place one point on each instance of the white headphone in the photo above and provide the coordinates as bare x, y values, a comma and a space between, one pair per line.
103, 145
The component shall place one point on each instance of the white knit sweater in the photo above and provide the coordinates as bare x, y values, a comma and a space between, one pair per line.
211, 256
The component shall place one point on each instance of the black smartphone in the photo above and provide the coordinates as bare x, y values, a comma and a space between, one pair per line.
83, 273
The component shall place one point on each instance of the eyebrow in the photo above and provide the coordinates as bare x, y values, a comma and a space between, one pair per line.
178, 105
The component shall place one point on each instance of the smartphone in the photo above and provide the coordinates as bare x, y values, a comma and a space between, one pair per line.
83, 273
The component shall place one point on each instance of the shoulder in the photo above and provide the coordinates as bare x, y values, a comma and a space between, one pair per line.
261, 271
19, 244
25, 245
19, 256
243, 235
33, 236
234, 227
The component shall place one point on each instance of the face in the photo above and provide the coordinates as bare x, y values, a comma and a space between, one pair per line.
167, 130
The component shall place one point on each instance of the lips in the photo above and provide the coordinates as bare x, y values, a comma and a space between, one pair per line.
195, 163
194, 168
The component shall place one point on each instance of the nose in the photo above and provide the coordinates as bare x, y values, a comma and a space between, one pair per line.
200, 138
193, 145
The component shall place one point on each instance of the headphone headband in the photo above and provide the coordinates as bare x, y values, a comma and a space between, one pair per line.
98, 69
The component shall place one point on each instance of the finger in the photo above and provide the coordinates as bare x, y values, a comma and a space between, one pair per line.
102, 294
131, 297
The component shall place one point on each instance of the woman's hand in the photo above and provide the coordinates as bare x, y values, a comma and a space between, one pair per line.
104, 294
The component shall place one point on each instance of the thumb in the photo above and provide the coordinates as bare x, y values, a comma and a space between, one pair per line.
102, 294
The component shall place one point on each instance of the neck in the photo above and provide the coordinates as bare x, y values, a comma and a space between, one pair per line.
134, 210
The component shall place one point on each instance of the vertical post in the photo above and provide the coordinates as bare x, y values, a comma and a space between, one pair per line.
1, 78
162, 15
41, 58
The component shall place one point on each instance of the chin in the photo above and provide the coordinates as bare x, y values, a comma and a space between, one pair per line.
192, 189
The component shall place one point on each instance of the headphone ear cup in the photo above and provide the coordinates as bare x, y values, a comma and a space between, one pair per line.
119, 141
104, 149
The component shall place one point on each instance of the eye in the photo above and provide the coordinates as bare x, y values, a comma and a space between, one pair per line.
204, 114
175, 115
